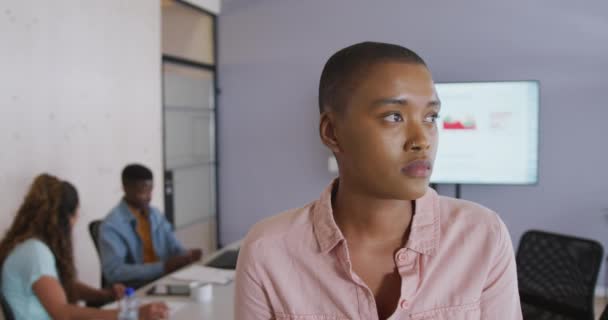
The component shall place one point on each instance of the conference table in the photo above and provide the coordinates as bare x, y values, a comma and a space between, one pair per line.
219, 307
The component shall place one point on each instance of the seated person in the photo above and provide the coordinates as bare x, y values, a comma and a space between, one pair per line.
38, 274
136, 243
379, 243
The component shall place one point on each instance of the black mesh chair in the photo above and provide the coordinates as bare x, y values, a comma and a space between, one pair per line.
557, 275
94, 232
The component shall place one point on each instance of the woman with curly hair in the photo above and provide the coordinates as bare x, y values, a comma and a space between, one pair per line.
36, 255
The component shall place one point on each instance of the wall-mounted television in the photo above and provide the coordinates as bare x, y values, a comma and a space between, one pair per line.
488, 133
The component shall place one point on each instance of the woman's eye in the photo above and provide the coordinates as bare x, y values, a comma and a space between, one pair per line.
432, 118
393, 117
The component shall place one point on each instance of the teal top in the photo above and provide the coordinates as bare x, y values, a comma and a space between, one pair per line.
27, 263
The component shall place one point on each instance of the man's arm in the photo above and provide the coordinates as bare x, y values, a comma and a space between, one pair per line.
174, 247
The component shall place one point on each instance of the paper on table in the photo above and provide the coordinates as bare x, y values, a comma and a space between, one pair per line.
174, 306
204, 274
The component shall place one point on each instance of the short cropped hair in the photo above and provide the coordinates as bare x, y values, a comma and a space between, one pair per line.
351, 63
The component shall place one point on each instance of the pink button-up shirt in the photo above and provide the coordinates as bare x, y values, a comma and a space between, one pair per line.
458, 263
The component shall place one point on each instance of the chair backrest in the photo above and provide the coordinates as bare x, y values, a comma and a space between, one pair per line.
7, 312
94, 232
558, 272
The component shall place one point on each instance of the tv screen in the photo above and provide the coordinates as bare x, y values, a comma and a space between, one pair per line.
488, 133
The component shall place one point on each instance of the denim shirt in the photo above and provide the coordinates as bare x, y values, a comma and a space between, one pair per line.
121, 249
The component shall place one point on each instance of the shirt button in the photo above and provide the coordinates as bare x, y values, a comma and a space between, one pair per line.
404, 304
402, 256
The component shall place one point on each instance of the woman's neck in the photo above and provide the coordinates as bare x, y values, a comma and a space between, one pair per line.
364, 217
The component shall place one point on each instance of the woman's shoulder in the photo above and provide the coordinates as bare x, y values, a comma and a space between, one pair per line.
290, 224
464, 214
32, 250
478, 232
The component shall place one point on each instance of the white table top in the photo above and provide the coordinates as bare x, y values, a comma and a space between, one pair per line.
220, 307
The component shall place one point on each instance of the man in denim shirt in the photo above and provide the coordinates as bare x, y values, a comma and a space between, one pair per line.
136, 242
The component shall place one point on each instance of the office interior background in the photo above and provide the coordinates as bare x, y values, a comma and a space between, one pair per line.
82, 95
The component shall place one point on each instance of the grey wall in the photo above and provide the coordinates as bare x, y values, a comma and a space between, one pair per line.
272, 52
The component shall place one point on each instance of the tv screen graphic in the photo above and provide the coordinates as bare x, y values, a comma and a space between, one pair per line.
488, 133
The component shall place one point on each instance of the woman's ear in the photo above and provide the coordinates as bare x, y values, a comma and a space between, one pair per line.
328, 131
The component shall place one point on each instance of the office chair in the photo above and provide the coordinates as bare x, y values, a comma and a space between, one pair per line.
557, 275
94, 232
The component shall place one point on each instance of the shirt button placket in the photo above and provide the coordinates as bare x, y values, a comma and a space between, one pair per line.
408, 269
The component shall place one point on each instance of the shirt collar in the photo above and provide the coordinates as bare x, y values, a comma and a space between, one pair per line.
128, 214
424, 234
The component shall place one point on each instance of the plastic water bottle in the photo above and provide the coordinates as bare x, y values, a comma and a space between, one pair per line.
129, 306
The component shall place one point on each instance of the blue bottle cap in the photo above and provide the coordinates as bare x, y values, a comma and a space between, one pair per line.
129, 292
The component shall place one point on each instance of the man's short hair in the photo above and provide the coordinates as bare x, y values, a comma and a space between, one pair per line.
350, 64
135, 173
